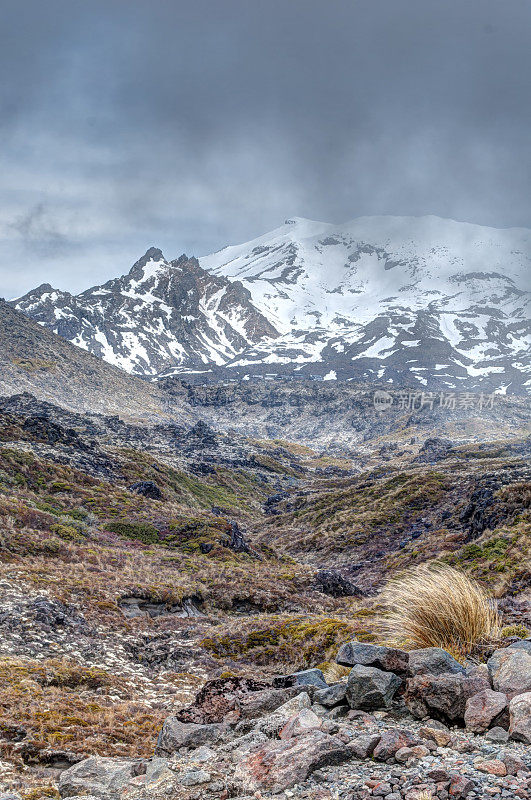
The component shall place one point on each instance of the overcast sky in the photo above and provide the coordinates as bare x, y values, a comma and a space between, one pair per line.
192, 124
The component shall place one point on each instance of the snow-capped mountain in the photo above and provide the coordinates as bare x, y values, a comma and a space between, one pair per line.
161, 315
408, 301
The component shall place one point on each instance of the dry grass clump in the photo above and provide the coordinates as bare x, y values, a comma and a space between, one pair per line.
439, 607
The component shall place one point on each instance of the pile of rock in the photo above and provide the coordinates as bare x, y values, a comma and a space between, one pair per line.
401, 726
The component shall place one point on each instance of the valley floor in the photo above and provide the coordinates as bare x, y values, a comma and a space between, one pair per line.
137, 562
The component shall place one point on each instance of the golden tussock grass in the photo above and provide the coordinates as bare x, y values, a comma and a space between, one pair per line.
439, 606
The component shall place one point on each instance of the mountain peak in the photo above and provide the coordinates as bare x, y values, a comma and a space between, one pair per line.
151, 254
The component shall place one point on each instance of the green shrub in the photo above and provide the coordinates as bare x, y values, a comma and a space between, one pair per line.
142, 531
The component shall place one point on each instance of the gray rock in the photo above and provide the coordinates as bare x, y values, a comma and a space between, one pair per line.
369, 688
97, 775
388, 659
194, 777
176, 734
310, 677
273, 723
254, 704
433, 661
520, 718
242, 746
497, 735
332, 696
363, 746
279, 765
203, 754
306, 720
521, 644
510, 671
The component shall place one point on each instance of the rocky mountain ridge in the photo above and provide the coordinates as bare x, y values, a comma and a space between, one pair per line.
159, 315
407, 301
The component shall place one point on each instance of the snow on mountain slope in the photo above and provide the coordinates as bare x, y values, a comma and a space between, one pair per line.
407, 301
160, 315
431, 301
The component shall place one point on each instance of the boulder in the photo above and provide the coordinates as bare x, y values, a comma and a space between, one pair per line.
436, 732
176, 734
439, 774
433, 661
513, 763
309, 677
194, 777
221, 697
482, 709
521, 644
306, 720
369, 688
388, 659
520, 718
97, 776
391, 741
460, 787
333, 583
273, 723
331, 696
497, 735
510, 671
441, 696
363, 746
147, 489
241, 746
279, 765
492, 767
255, 704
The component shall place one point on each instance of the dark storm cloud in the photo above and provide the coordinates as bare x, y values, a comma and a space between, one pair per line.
192, 125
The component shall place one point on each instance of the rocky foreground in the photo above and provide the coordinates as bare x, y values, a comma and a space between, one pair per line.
398, 726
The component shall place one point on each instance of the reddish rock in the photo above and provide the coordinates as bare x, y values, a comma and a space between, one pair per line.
439, 775
220, 697
441, 736
482, 708
492, 767
391, 741
513, 764
278, 765
460, 786
442, 696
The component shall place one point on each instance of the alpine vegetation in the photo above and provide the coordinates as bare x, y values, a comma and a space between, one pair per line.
440, 607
